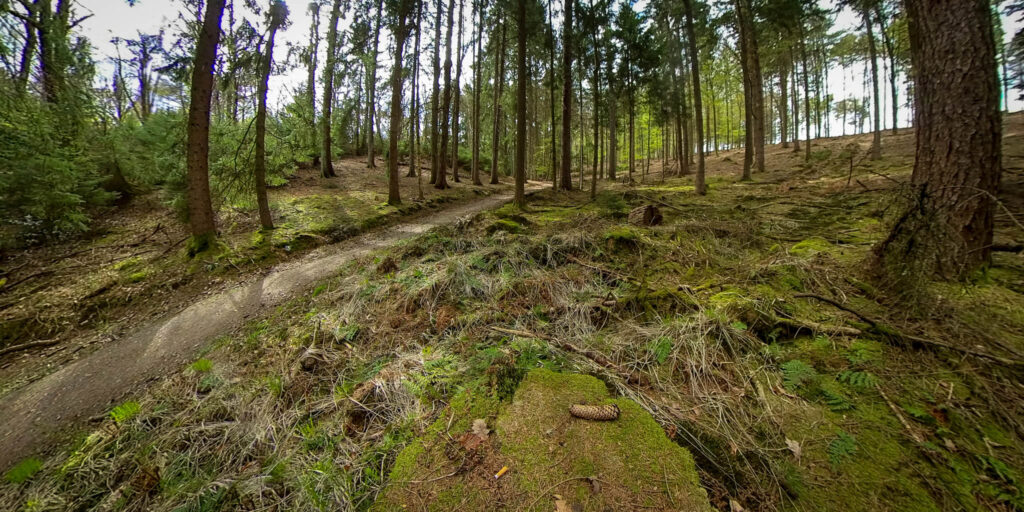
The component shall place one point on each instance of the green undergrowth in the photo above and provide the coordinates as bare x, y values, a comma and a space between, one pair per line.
357, 395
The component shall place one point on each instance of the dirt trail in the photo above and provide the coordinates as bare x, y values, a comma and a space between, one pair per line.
32, 414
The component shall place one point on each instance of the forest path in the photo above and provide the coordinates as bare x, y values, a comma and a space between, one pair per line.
31, 415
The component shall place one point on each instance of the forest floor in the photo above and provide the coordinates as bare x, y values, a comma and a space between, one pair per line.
755, 362
130, 268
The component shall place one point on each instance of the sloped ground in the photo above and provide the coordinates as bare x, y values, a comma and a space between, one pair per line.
131, 267
786, 401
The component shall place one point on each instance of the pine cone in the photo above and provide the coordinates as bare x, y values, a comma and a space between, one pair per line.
595, 412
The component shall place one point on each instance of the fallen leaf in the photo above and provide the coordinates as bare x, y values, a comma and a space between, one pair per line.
794, 446
734, 506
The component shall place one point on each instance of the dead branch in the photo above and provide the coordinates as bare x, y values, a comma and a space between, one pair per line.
911, 338
25, 346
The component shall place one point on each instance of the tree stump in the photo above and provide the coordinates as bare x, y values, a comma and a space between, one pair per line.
646, 215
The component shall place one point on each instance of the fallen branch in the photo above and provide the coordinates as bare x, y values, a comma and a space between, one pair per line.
887, 330
25, 346
1017, 248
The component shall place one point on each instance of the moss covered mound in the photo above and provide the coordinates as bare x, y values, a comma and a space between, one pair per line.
624, 464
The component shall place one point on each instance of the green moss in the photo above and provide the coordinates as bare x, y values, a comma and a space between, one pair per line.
505, 225
542, 445
138, 277
24, 470
810, 247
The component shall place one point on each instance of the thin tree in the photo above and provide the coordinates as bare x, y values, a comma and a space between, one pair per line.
371, 87
457, 102
200, 207
698, 106
876, 140
401, 10
446, 102
565, 180
948, 227
499, 81
276, 16
326, 164
311, 62
520, 170
435, 140
477, 63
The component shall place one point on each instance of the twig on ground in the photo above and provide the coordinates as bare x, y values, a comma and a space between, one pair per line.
26, 346
913, 434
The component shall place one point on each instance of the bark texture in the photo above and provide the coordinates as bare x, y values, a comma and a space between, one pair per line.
947, 228
200, 208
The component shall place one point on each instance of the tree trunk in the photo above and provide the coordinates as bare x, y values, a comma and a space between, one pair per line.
401, 32
446, 103
499, 81
698, 106
28, 51
414, 115
477, 63
784, 105
566, 177
277, 17
751, 55
326, 163
311, 61
457, 103
520, 171
597, 123
876, 140
613, 137
891, 52
948, 228
435, 114
551, 94
807, 95
200, 208
371, 111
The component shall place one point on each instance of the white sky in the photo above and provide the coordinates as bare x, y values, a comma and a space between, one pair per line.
115, 18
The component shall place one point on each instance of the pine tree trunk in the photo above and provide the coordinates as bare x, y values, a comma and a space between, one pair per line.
551, 94
948, 227
499, 81
312, 49
891, 52
371, 145
477, 63
566, 176
457, 102
326, 155
446, 103
276, 19
698, 106
414, 108
876, 140
613, 137
784, 105
29, 49
807, 96
520, 170
401, 32
200, 208
435, 114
